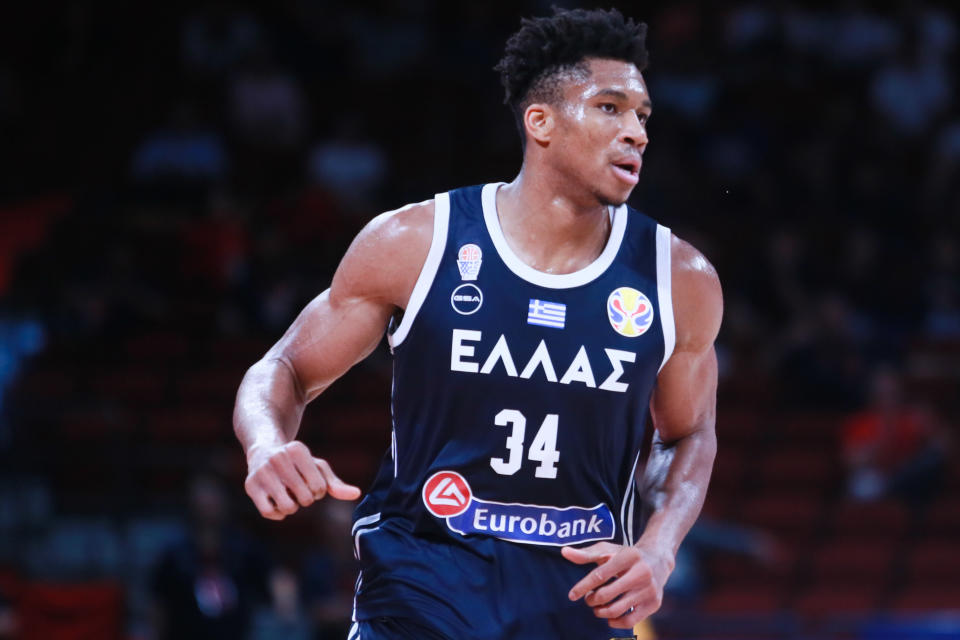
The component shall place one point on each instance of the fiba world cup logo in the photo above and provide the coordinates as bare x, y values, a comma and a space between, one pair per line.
630, 312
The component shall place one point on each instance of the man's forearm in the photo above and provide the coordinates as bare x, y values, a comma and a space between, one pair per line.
673, 488
269, 405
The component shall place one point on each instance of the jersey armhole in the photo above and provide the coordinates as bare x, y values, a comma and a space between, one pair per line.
665, 293
441, 217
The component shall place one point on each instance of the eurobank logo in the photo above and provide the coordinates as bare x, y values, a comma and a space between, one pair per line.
446, 494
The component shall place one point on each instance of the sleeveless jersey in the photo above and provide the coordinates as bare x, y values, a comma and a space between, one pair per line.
520, 402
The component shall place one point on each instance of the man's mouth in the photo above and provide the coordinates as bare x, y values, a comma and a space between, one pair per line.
627, 169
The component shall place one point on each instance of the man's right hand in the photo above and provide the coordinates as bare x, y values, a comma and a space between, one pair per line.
286, 477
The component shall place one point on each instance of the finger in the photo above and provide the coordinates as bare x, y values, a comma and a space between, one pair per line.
309, 472
620, 607
283, 466
631, 618
594, 553
633, 574
263, 504
599, 576
278, 494
336, 487
627, 621
646, 603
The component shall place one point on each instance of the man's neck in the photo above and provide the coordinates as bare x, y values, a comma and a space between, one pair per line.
547, 228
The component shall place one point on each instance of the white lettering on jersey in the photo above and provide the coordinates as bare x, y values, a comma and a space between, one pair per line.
540, 357
500, 352
460, 350
483, 520
580, 370
616, 356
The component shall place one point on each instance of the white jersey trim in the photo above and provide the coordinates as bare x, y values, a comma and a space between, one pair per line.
441, 220
550, 280
626, 520
665, 293
362, 526
365, 521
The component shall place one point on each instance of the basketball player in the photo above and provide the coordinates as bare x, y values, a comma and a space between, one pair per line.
533, 326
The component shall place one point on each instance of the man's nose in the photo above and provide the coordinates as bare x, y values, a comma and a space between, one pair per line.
634, 132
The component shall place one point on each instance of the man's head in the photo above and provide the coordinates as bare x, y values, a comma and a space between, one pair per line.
573, 81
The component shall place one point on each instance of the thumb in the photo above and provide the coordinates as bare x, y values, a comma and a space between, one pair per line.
342, 491
599, 552
336, 488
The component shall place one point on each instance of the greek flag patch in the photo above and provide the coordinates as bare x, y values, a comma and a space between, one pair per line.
547, 314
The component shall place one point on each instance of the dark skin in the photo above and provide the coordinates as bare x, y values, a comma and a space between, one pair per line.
581, 155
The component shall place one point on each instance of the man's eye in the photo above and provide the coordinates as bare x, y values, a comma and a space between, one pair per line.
608, 107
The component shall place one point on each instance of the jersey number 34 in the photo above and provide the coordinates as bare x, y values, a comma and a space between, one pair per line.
543, 449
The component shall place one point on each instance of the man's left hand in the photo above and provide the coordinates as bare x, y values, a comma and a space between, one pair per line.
626, 586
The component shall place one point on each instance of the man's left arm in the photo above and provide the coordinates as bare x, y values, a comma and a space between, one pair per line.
627, 584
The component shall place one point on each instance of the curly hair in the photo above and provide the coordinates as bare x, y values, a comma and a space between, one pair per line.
547, 51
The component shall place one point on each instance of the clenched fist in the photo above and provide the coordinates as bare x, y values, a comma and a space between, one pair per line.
284, 478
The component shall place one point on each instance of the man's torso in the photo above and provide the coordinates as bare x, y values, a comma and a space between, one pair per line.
520, 405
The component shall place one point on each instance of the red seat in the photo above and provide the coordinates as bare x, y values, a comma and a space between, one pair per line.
24, 226
828, 599
810, 469
813, 427
875, 519
71, 612
718, 504
935, 561
97, 422
926, 598
855, 560
241, 352
135, 385
158, 346
744, 599
792, 517
212, 385
944, 517
728, 569
728, 471
186, 425
737, 425
11, 584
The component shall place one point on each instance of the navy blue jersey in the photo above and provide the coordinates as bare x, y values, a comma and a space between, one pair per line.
520, 403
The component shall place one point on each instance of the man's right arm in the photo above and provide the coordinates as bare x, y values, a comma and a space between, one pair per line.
336, 330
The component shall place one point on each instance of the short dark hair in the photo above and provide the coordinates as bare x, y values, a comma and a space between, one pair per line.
545, 49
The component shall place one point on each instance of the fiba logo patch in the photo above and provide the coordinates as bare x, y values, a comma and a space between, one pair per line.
630, 312
466, 299
469, 259
446, 494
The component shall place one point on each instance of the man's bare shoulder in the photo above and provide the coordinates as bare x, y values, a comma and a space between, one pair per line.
697, 296
386, 257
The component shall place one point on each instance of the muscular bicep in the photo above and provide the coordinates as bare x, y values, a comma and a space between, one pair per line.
684, 400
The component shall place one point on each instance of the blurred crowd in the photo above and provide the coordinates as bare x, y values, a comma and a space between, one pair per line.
197, 170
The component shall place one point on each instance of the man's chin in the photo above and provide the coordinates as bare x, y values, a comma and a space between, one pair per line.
614, 200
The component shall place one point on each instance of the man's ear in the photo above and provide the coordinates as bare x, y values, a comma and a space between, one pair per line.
540, 122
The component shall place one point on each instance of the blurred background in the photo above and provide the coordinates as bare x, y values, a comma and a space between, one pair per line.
177, 180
